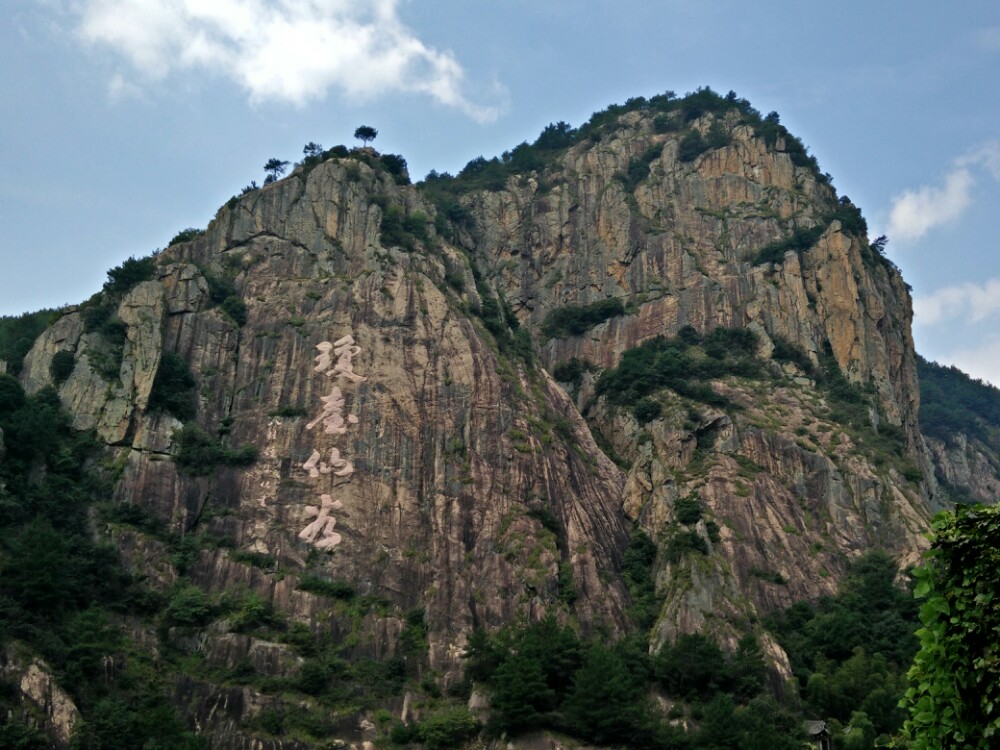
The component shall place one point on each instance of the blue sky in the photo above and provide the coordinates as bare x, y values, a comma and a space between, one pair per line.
127, 120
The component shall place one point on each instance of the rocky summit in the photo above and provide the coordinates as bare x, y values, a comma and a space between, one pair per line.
383, 417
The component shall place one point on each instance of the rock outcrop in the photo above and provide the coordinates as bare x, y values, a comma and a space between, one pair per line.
389, 369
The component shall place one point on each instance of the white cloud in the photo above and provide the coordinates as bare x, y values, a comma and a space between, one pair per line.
280, 50
982, 362
970, 302
986, 156
916, 212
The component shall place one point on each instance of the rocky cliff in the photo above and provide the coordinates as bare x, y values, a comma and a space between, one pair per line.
415, 411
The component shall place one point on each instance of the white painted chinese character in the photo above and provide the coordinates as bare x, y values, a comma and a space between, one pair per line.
324, 524
333, 414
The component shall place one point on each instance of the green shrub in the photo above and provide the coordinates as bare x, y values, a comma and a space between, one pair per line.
574, 320
678, 364
290, 411
395, 165
799, 241
236, 309
12, 395
647, 409
692, 146
683, 542
132, 271
254, 559
785, 351
637, 571
173, 388
189, 606
18, 334
570, 372
663, 123
62, 366
185, 235
325, 587
718, 136
199, 453
953, 404
688, 510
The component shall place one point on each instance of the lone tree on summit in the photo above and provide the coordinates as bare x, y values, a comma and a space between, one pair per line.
274, 168
365, 134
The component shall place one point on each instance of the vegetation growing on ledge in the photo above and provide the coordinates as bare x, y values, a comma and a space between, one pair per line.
802, 239
199, 453
173, 388
573, 320
186, 235
682, 364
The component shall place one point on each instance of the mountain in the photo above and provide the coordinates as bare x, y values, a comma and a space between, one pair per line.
648, 376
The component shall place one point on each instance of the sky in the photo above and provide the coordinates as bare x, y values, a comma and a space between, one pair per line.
129, 120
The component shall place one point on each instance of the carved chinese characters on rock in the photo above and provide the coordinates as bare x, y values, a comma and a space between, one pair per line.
336, 361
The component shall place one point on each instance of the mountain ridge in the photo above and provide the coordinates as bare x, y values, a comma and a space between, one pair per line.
454, 477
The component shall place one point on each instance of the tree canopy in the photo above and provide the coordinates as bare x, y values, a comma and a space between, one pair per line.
365, 133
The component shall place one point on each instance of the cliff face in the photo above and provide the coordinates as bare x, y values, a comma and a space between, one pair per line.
793, 493
412, 442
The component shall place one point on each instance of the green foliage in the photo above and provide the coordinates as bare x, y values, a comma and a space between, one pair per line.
325, 587
571, 371
132, 271
274, 168
521, 696
647, 409
395, 165
173, 388
530, 669
399, 229
786, 351
18, 333
236, 309
190, 606
637, 572
59, 587
448, 729
365, 133
693, 666
682, 542
574, 320
606, 705
692, 146
953, 404
800, 240
849, 652
638, 169
199, 453
555, 136
688, 510
762, 724
186, 235
954, 696
290, 411
678, 363
62, 366
501, 322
